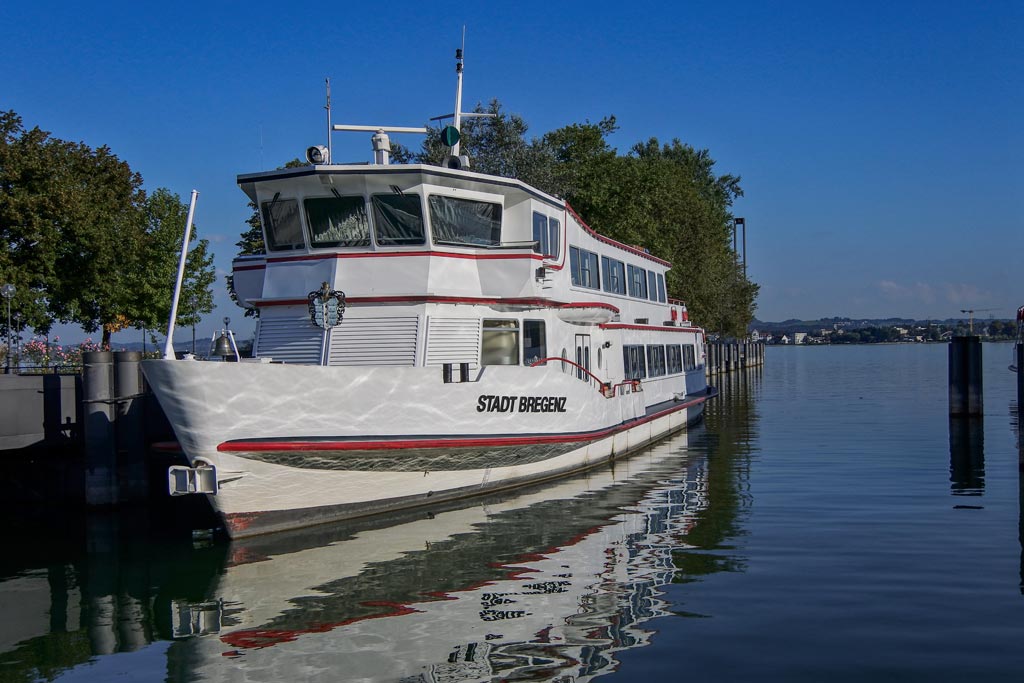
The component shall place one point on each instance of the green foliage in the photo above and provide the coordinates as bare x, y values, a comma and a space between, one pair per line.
84, 244
165, 215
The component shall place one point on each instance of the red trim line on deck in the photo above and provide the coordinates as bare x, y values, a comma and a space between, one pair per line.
396, 254
448, 442
608, 240
655, 328
534, 302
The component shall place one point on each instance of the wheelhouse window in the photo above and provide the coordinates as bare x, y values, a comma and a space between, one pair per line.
637, 282
634, 361
499, 342
614, 273
534, 341
398, 219
337, 222
652, 285
583, 267
554, 237
661, 288
541, 236
282, 224
465, 221
656, 360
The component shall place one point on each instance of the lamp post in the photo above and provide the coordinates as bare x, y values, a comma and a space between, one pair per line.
193, 301
8, 293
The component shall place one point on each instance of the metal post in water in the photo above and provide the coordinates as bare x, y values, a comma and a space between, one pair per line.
133, 477
965, 380
100, 446
1020, 399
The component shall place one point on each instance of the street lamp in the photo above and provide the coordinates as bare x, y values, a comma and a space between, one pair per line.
8, 293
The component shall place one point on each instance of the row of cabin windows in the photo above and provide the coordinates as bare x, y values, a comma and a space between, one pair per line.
499, 342
657, 360
617, 277
344, 221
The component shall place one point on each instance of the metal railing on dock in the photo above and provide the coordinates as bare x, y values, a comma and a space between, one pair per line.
727, 356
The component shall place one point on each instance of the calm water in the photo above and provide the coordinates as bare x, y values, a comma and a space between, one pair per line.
827, 522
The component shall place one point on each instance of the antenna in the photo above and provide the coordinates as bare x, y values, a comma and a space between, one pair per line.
458, 90
330, 151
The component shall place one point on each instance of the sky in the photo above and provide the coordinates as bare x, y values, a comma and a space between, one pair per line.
878, 142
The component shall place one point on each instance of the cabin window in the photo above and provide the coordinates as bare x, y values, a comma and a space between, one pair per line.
499, 342
673, 358
689, 357
398, 219
634, 362
637, 282
465, 221
534, 341
655, 360
281, 220
652, 285
541, 236
614, 273
554, 237
337, 222
583, 266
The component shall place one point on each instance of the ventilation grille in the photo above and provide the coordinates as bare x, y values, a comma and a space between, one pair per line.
290, 340
453, 340
374, 341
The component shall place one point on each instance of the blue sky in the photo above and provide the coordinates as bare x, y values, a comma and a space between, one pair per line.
878, 143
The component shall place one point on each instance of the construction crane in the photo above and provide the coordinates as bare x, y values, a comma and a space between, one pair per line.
971, 312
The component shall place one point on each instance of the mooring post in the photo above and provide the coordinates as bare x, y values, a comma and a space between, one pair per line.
965, 381
1020, 401
133, 477
100, 446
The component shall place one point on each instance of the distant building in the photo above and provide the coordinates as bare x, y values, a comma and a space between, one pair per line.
799, 337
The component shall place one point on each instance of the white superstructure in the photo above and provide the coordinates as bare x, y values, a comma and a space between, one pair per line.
425, 333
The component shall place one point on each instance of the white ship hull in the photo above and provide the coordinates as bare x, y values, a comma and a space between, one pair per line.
299, 445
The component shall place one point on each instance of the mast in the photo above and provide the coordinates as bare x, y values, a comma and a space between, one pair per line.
330, 155
458, 91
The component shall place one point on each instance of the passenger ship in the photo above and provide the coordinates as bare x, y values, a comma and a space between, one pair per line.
425, 333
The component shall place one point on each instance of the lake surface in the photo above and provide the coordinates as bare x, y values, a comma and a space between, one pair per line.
827, 522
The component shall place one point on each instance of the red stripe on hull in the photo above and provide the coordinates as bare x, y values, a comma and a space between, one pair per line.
451, 442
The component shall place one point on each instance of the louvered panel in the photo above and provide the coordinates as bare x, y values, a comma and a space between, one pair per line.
375, 341
290, 340
453, 340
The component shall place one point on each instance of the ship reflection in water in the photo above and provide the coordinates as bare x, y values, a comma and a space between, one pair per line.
542, 584
546, 583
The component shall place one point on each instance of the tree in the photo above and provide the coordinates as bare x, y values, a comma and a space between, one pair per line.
84, 244
664, 197
165, 216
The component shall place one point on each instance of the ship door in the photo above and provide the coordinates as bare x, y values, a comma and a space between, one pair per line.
583, 355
